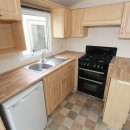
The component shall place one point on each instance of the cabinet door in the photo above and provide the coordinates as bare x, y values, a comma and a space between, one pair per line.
58, 23
61, 23
1, 125
55, 90
67, 22
76, 23
10, 10
103, 15
125, 27
118, 104
69, 79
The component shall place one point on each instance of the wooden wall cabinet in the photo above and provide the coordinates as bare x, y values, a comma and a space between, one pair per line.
2, 127
118, 104
11, 37
10, 10
103, 15
61, 23
76, 23
58, 85
125, 26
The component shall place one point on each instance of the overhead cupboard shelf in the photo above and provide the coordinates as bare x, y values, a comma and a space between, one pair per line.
11, 37
11, 29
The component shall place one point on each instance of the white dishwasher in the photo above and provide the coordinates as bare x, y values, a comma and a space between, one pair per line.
26, 111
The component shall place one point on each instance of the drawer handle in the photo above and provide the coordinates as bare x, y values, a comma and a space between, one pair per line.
123, 82
0, 14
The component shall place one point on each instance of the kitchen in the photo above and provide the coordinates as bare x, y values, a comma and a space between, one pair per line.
73, 31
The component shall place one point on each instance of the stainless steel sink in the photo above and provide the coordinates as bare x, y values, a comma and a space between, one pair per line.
44, 66
39, 67
55, 61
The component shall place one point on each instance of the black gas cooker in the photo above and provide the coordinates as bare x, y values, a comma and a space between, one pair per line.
97, 58
93, 67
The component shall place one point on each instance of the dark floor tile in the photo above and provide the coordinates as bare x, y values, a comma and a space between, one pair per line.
69, 105
72, 115
54, 125
62, 127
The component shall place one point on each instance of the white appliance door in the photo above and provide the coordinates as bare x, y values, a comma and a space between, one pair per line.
29, 113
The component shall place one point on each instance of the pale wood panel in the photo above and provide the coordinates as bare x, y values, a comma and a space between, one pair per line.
55, 75
121, 69
76, 23
58, 23
43, 3
1, 125
11, 38
6, 40
118, 104
55, 94
58, 85
10, 10
61, 23
67, 22
69, 78
103, 15
18, 35
125, 27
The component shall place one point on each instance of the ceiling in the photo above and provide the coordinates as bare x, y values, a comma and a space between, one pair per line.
67, 3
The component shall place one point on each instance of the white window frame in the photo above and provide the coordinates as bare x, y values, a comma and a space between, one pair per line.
35, 13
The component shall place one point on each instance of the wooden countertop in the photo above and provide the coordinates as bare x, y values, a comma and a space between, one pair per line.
14, 82
120, 69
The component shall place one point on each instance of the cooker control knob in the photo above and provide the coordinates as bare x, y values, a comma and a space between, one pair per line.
98, 66
88, 64
102, 67
94, 65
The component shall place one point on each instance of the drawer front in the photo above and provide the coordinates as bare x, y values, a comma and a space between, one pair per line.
69, 68
55, 75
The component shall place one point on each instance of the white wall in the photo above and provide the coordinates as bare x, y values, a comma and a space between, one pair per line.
12, 61
100, 36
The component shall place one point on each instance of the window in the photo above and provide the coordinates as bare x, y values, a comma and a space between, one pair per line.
37, 30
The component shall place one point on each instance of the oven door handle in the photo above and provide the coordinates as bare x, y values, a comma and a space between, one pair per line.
91, 80
92, 71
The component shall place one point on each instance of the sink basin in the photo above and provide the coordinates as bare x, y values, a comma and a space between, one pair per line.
41, 67
55, 61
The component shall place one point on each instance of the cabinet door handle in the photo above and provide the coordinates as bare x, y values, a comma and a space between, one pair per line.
123, 82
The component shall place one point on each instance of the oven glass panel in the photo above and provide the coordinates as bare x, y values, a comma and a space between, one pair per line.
92, 88
92, 75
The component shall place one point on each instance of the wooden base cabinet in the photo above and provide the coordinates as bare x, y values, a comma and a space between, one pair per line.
125, 27
10, 10
58, 85
118, 104
68, 79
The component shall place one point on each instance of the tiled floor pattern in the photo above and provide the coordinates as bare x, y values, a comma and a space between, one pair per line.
79, 112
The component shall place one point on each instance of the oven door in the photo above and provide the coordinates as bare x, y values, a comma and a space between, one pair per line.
91, 87
94, 75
